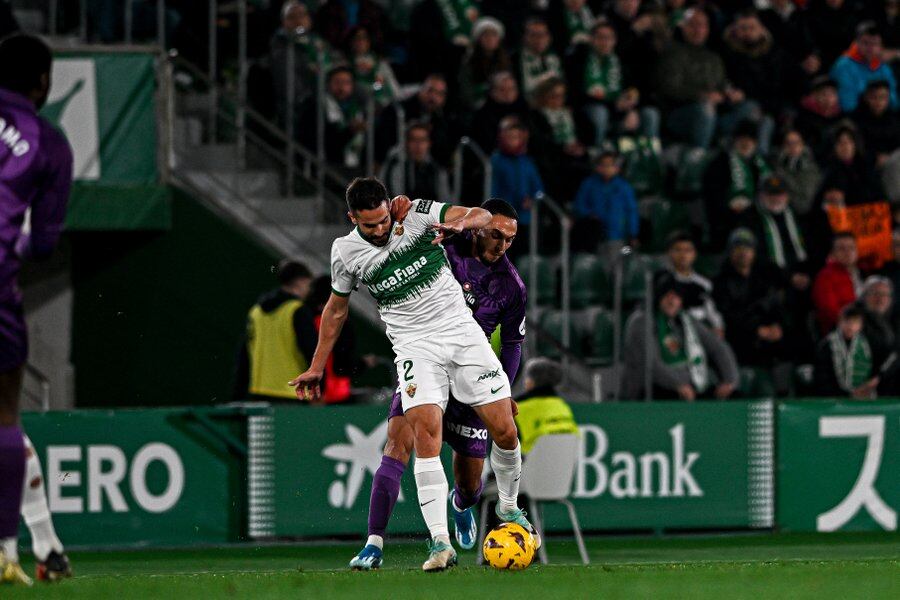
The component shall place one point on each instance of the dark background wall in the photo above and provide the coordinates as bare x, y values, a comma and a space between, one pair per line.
158, 316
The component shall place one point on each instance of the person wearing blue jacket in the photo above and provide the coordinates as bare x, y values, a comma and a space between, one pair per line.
606, 199
862, 64
515, 176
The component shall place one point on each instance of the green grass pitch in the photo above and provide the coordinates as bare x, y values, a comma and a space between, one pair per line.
723, 566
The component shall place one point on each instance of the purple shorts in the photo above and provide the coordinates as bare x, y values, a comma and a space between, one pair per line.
463, 430
13, 336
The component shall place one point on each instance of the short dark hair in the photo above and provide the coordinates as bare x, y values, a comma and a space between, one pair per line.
877, 84
336, 71
424, 125
867, 28
365, 193
290, 270
24, 59
852, 311
678, 236
498, 206
601, 23
534, 20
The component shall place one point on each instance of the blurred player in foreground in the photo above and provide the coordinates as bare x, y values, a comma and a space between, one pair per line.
35, 173
495, 293
439, 346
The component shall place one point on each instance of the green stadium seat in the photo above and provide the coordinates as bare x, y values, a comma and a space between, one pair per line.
546, 269
552, 323
589, 283
601, 338
689, 175
633, 275
666, 216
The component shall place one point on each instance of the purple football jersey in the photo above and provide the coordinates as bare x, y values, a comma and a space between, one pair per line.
35, 172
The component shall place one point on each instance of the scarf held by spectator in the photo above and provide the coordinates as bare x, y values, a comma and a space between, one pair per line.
773, 238
742, 181
686, 349
853, 363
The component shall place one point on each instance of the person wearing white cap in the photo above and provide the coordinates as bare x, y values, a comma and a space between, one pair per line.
485, 57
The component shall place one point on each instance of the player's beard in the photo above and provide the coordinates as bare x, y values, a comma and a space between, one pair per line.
381, 240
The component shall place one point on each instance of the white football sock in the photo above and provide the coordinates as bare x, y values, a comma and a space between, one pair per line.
10, 547
375, 540
34, 508
431, 483
507, 466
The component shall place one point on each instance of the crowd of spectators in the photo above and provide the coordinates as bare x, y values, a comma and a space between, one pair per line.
771, 124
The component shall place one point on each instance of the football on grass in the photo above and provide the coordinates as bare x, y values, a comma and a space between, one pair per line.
509, 546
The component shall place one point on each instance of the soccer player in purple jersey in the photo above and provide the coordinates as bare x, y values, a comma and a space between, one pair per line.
494, 291
35, 173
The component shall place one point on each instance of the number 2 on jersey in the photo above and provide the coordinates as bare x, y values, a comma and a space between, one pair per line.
407, 366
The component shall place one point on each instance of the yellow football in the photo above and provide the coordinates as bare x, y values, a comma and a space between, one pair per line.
509, 546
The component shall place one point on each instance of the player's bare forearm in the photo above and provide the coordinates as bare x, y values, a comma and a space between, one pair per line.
468, 218
333, 317
458, 219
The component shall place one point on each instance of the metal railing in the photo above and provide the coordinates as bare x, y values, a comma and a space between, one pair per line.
42, 398
484, 159
627, 254
565, 227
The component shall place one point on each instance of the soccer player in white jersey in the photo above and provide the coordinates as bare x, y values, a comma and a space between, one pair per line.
439, 347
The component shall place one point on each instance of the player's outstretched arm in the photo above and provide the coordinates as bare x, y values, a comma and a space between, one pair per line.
458, 219
333, 318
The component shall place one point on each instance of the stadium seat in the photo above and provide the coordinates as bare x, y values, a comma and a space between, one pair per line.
689, 176
666, 216
551, 322
600, 339
589, 284
546, 268
633, 276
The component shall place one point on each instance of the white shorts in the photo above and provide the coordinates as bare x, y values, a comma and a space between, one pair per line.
464, 365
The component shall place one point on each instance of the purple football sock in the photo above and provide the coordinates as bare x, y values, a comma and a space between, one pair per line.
463, 501
12, 475
385, 490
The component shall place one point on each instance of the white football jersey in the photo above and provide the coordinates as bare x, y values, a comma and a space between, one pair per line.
409, 277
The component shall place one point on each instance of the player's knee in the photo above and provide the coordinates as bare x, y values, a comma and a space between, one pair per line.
399, 449
506, 435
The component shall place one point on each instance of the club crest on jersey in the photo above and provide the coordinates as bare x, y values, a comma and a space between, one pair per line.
411, 390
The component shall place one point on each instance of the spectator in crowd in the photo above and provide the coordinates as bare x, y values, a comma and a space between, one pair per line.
832, 24
280, 337
570, 22
688, 361
797, 166
536, 60
880, 327
335, 18
503, 100
309, 49
439, 35
782, 235
750, 296
485, 57
561, 138
891, 269
516, 177
641, 32
879, 128
541, 409
429, 105
819, 115
343, 363
886, 15
790, 31
837, 283
755, 64
606, 208
600, 85
413, 172
731, 181
695, 289
691, 83
849, 178
370, 71
345, 123
844, 364
861, 64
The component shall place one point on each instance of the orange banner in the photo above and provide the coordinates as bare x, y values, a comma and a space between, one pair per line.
871, 224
